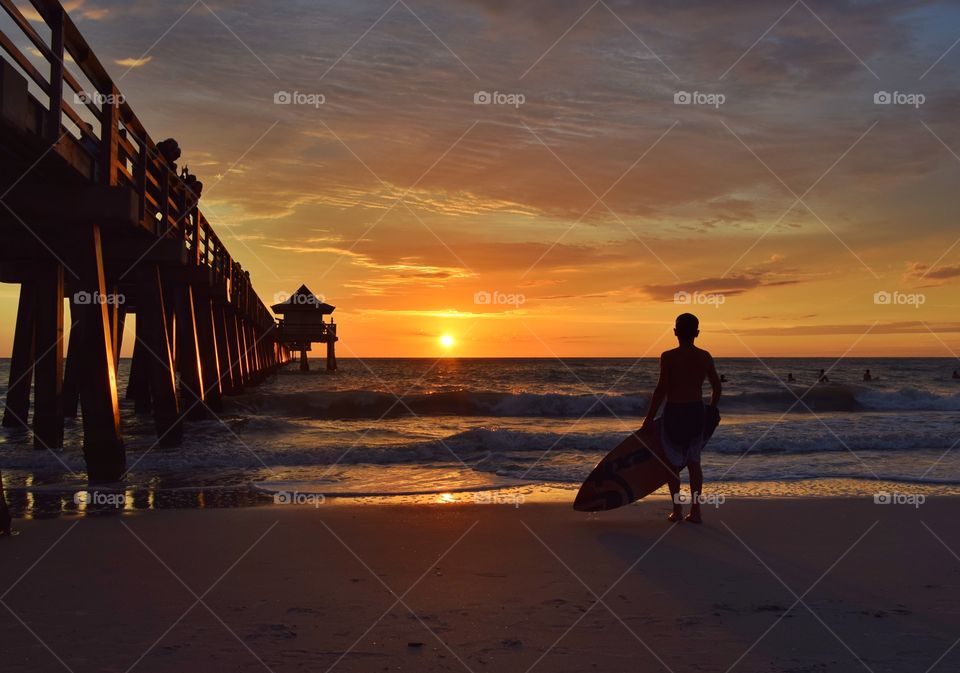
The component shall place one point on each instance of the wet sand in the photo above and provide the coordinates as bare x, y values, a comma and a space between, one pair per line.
487, 588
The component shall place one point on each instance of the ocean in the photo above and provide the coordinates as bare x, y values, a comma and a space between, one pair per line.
404, 427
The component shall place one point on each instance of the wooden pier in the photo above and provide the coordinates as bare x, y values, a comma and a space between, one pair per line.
91, 211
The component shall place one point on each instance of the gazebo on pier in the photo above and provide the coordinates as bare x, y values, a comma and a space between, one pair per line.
302, 325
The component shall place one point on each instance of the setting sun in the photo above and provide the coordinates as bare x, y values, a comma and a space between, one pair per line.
447, 341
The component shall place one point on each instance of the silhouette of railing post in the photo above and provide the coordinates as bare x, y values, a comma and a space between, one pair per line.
54, 120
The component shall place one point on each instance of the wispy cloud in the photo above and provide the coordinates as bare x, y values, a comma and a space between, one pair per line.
133, 62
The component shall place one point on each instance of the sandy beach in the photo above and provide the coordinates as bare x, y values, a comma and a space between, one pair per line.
764, 585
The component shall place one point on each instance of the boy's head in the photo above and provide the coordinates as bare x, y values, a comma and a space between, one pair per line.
687, 327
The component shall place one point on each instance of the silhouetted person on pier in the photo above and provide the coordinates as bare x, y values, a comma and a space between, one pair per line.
90, 144
193, 184
723, 378
867, 376
4, 512
686, 421
956, 374
822, 377
790, 378
169, 151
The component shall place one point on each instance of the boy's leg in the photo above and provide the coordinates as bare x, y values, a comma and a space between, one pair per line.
696, 486
674, 485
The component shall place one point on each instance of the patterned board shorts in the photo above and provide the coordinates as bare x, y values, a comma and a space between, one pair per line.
685, 430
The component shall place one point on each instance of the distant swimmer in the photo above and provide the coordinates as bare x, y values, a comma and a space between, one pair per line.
867, 376
822, 377
956, 374
790, 378
723, 378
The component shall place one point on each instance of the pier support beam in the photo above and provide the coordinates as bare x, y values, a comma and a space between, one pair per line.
21, 363
102, 441
236, 354
242, 355
224, 352
156, 352
73, 367
48, 368
331, 356
118, 317
209, 360
138, 385
188, 356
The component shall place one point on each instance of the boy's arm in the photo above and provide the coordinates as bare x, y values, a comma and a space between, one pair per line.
714, 381
658, 394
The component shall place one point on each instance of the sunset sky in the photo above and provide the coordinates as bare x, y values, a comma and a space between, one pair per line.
596, 199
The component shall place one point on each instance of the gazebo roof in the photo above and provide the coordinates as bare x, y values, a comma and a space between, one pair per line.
303, 300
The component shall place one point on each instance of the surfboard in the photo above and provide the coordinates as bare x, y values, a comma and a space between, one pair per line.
636, 467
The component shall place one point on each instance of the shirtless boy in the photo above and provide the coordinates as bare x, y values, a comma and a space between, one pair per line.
682, 373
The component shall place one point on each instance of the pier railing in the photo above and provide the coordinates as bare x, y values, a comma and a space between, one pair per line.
77, 107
